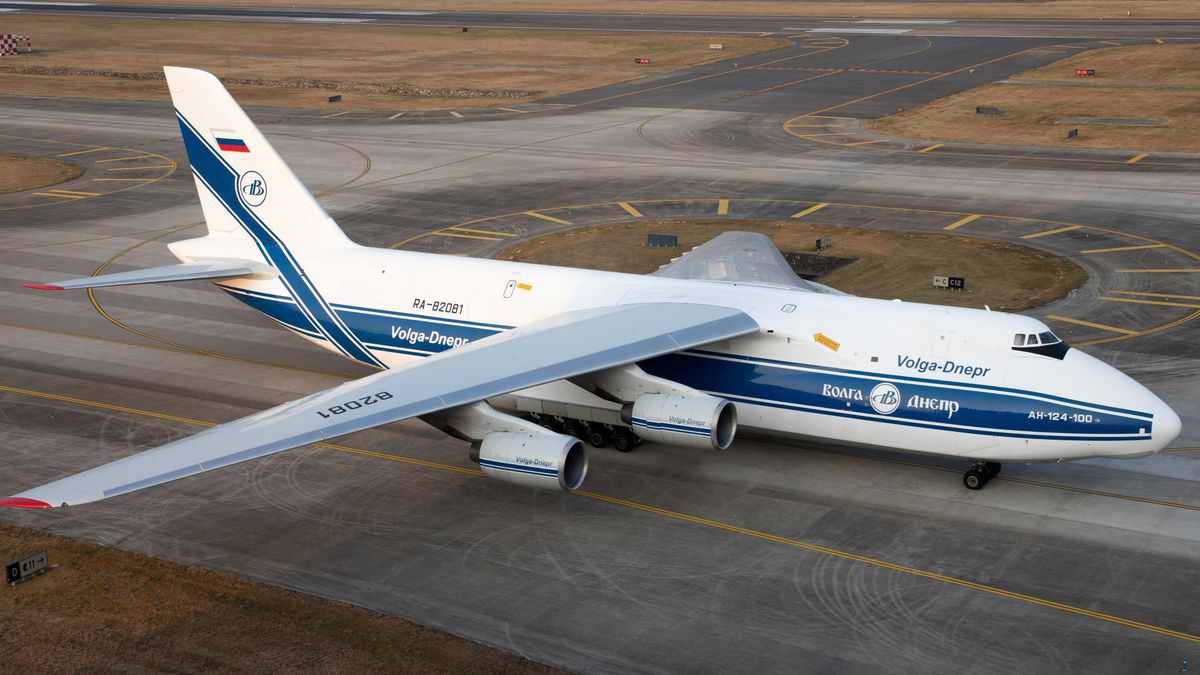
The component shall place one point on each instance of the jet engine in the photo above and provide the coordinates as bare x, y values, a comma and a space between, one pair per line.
534, 459
695, 420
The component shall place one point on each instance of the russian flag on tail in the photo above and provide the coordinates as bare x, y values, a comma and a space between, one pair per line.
229, 141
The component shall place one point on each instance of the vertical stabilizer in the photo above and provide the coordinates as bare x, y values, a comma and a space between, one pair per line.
245, 187
252, 201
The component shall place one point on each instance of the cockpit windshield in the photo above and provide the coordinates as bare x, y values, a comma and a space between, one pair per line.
1045, 343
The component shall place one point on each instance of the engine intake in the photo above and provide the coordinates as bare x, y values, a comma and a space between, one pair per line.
697, 421
540, 460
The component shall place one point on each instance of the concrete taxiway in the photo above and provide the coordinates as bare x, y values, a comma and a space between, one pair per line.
766, 558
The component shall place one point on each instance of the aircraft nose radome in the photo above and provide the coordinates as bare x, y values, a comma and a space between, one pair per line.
1167, 425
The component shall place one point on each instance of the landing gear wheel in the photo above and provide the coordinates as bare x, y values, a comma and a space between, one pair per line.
976, 478
575, 428
623, 441
597, 436
993, 469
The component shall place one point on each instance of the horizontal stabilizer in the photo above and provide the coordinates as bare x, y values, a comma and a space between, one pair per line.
212, 269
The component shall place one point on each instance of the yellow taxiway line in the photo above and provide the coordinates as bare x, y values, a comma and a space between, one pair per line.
67, 194
139, 168
931, 148
448, 233
126, 159
1139, 247
630, 209
966, 220
1175, 296
552, 219
722, 207
85, 152
1137, 158
812, 209
1092, 324
491, 233
1162, 303
679, 516
1047, 233
1160, 270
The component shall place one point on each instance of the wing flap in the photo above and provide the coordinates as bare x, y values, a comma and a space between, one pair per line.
564, 346
210, 269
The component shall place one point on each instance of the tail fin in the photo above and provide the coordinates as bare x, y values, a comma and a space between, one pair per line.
245, 189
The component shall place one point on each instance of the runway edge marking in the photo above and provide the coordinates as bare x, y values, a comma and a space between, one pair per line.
667, 513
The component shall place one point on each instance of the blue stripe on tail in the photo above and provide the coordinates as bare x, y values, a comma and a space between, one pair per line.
221, 179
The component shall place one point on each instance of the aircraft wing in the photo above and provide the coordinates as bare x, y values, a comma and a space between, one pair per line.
563, 346
746, 257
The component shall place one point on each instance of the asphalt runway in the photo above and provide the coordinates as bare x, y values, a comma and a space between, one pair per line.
1127, 27
766, 558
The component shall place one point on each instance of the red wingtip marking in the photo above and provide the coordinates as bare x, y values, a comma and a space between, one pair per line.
24, 503
43, 287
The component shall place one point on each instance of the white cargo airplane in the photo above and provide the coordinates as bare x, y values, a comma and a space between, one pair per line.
725, 336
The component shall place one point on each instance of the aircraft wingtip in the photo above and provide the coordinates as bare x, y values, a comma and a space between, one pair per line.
43, 287
24, 503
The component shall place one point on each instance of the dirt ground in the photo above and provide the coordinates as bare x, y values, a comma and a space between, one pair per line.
26, 173
373, 67
890, 264
105, 610
1144, 81
1069, 9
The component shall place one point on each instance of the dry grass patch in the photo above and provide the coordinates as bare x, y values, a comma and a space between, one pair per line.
890, 264
105, 610
1145, 81
374, 67
1066, 9
19, 173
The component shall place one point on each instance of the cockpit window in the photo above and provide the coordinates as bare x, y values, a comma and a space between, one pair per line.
1044, 344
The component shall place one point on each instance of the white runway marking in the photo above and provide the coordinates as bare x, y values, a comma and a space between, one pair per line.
869, 31
908, 21
321, 19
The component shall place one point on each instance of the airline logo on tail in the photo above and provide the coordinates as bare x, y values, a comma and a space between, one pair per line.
253, 188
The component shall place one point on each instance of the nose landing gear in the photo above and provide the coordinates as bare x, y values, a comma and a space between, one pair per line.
978, 476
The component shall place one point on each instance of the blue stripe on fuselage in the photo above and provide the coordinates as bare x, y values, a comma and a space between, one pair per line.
942, 405
221, 179
981, 409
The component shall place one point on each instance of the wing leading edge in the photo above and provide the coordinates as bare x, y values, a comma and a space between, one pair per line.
564, 346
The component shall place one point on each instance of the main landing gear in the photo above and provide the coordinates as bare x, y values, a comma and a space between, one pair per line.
595, 434
978, 476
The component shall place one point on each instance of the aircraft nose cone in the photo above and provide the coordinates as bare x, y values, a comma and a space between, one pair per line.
1166, 425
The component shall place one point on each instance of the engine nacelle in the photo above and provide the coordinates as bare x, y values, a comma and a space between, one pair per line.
541, 460
695, 420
